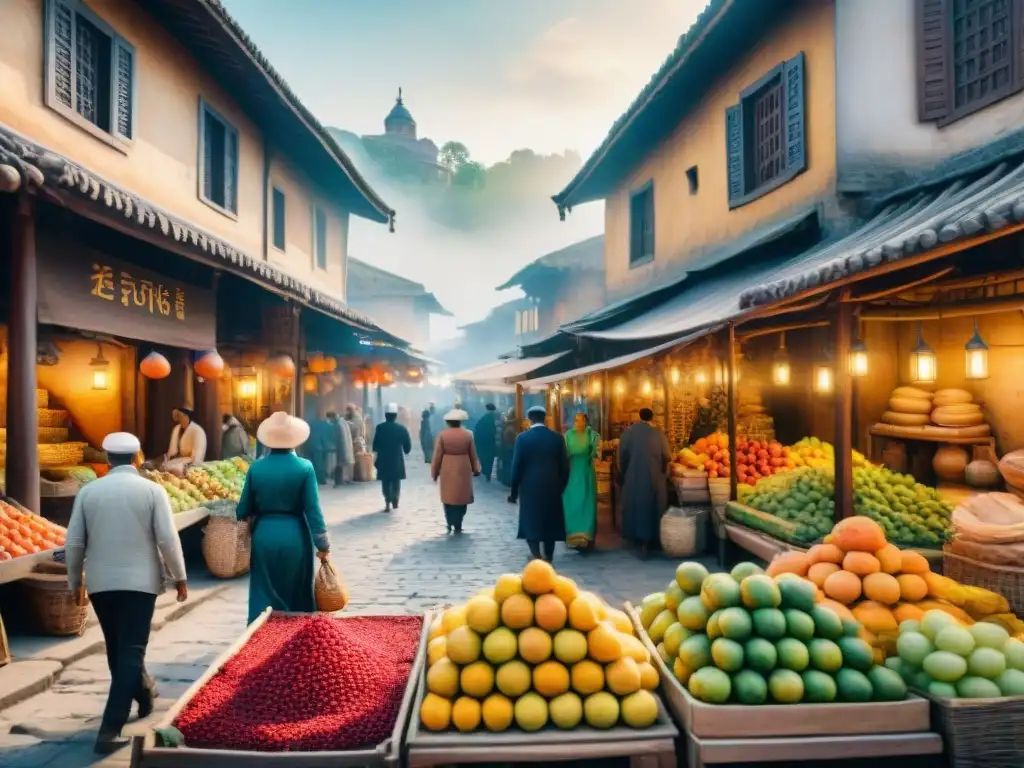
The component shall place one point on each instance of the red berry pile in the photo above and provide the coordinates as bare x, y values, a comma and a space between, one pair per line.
307, 684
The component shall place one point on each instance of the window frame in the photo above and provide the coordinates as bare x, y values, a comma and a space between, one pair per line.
275, 220
317, 244
639, 260
112, 138
206, 109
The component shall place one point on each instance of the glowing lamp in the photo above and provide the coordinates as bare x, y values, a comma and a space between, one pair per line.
823, 380
923, 367
309, 383
781, 371
700, 378
858, 359
674, 374
645, 388
247, 389
595, 387
977, 356
620, 386
99, 365
99, 379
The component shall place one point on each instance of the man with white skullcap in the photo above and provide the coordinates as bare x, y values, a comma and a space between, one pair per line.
391, 443
122, 534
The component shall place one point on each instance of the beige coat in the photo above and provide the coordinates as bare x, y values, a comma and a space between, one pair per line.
454, 463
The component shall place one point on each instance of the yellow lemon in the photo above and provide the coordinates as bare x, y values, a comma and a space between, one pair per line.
517, 611
508, 584
550, 613
648, 676
534, 645
435, 712
453, 618
623, 677
602, 641
539, 577
436, 630
500, 645
437, 649
531, 712
513, 678
443, 678
497, 713
463, 645
566, 590
587, 677
482, 614
620, 620
550, 679
466, 714
570, 646
477, 679
583, 613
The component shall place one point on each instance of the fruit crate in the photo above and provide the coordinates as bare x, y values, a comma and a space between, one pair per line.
981, 733
146, 754
652, 747
736, 733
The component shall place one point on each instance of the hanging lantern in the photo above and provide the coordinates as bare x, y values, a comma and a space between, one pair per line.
99, 365
823, 383
674, 375
781, 371
700, 378
646, 387
595, 387
309, 383
977, 356
247, 389
281, 365
858, 359
209, 366
923, 366
316, 364
155, 366
620, 386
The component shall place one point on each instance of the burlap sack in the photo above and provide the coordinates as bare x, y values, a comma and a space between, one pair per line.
329, 588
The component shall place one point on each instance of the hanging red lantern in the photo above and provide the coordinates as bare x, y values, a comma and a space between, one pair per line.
209, 366
282, 365
155, 366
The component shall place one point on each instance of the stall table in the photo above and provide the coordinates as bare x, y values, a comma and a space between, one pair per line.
183, 520
732, 733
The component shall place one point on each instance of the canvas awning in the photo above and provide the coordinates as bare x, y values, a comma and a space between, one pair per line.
505, 371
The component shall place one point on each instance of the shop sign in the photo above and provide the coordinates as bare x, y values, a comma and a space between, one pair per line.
96, 293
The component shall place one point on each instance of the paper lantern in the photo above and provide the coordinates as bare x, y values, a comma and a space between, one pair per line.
155, 366
309, 383
923, 368
209, 366
781, 371
977, 356
320, 364
281, 365
858, 359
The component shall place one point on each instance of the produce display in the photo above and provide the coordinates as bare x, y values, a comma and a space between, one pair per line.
536, 650
943, 657
307, 683
910, 513
24, 533
749, 637
709, 453
947, 408
219, 479
184, 495
756, 459
805, 498
861, 576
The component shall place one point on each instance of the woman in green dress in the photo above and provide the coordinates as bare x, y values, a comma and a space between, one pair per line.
281, 501
579, 500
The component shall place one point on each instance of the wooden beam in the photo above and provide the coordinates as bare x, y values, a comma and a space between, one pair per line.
781, 329
942, 312
844, 410
898, 289
22, 473
733, 395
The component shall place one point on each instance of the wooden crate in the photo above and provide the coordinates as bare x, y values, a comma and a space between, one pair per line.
146, 754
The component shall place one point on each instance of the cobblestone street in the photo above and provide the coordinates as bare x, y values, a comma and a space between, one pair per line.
403, 562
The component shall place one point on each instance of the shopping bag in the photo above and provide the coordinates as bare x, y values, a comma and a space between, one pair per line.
331, 593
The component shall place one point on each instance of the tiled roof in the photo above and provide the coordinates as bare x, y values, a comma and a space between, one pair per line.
25, 165
586, 255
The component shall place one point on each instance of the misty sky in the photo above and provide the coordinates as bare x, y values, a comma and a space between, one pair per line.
498, 75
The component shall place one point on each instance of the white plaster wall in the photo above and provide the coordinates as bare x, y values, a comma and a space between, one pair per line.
877, 130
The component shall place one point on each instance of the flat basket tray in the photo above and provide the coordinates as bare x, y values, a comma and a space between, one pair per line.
549, 744
736, 721
146, 754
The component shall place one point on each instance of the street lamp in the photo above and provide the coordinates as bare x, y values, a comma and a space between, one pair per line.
923, 367
977, 356
781, 372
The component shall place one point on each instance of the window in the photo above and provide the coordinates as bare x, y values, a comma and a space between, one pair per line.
320, 236
969, 55
218, 161
693, 179
90, 72
641, 224
765, 134
279, 218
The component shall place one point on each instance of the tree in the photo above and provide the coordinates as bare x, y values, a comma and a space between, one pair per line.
453, 155
470, 175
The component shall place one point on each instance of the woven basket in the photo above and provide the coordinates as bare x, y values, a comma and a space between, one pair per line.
49, 489
46, 434
1005, 580
50, 418
53, 605
980, 733
42, 398
61, 454
227, 547
683, 531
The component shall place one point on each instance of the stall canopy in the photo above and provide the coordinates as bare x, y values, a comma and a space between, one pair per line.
505, 371
616, 362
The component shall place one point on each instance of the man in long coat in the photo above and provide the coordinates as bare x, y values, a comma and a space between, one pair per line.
644, 456
485, 435
540, 472
391, 443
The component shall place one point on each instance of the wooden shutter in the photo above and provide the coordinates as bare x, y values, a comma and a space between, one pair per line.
636, 231
279, 222
205, 131
734, 151
933, 53
61, 59
230, 169
796, 115
123, 67
648, 234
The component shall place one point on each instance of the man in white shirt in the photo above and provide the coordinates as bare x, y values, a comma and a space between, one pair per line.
188, 439
122, 534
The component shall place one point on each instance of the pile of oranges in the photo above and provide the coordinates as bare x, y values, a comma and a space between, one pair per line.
22, 533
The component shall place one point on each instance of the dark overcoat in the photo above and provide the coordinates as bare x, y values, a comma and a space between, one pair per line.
540, 472
485, 435
391, 443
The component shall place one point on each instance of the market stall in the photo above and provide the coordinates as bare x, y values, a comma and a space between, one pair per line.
255, 705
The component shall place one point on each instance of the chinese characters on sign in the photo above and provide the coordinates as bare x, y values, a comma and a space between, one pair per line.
153, 297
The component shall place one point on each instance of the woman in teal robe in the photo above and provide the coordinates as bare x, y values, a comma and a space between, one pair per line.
281, 501
579, 500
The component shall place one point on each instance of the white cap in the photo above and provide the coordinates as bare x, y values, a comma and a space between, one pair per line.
123, 443
392, 408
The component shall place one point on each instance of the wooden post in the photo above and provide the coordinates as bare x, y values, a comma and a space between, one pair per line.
379, 416
606, 407
22, 472
297, 393
731, 372
844, 410
519, 407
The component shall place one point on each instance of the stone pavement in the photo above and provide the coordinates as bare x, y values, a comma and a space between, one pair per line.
403, 562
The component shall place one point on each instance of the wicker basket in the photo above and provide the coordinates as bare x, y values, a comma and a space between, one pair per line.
49, 418
684, 531
227, 547
53, 605
46, 434
42, 398
1005, 580
980, 733
61, 454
